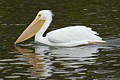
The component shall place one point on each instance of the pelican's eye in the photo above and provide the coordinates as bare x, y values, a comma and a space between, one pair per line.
39, 16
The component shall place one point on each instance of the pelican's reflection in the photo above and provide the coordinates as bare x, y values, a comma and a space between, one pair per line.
38, 68
81, 52
44, 58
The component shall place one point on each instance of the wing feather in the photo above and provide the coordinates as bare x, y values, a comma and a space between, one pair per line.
72, 33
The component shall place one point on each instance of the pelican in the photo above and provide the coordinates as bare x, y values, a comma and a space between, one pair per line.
68, 37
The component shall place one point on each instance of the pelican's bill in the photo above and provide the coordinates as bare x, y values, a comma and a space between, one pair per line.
31, 30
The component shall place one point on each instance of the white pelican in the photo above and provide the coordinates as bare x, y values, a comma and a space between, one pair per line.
67, 37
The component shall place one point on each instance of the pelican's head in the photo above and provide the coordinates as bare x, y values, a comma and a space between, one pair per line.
44, 15
35, 26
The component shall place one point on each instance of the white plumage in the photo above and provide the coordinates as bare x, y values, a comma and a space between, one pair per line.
67, 37
72, 33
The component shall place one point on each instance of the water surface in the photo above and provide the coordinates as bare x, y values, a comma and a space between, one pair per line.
36, 62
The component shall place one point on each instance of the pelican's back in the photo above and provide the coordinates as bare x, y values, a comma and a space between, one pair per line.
73, 33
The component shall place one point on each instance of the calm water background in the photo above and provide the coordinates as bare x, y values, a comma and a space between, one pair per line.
35, 62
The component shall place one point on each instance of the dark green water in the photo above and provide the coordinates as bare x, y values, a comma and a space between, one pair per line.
33, 62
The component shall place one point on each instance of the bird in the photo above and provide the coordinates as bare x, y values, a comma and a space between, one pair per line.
70, 36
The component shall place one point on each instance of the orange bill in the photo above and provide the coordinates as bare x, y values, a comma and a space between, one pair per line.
31, 30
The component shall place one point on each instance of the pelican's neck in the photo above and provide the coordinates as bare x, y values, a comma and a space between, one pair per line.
44, 28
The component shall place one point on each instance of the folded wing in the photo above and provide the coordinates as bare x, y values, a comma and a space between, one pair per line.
73, 33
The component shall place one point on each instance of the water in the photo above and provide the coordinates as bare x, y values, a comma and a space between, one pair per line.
35, 62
